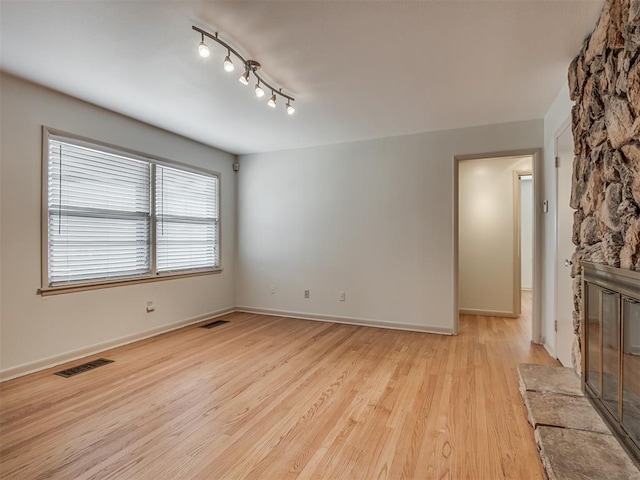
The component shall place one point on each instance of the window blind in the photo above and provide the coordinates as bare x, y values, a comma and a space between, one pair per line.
187, 220
98, 215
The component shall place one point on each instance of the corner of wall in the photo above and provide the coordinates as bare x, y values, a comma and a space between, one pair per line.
556, 118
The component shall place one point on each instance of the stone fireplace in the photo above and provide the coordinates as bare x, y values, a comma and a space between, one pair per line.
604, 82
573, 439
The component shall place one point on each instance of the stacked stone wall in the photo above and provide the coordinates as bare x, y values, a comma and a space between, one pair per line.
604, 83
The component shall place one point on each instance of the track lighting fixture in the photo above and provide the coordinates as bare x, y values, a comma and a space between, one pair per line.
259, 91
250, 67
228, 64
203, 50
272, 100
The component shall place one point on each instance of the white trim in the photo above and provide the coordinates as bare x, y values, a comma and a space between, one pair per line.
517, 239
488, 313
55, 360
361, 322
456, 263
49, 362
538, 244
549, 349
554, 255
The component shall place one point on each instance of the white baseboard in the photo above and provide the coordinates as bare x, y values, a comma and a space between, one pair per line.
550, 350
70, 356
487, 313
55, 360
362, 322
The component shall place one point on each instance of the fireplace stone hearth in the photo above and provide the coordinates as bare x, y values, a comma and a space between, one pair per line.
572, 439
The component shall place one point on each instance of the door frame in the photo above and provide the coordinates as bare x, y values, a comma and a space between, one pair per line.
517, 236
556, 253
536, 162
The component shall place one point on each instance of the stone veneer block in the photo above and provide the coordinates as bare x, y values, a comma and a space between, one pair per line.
551, 409
569, 454
549, 379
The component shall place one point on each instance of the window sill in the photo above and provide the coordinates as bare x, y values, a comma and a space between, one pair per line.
45, 292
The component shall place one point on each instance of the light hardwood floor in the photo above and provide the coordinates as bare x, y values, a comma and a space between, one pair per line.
274, 398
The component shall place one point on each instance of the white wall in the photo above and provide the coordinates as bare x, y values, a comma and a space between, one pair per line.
557, 115
371, 218
34, 328
486, 234
526, 234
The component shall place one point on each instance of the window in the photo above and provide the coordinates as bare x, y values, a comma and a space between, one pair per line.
187, 227
113, 216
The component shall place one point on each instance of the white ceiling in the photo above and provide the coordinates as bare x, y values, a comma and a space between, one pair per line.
358, 69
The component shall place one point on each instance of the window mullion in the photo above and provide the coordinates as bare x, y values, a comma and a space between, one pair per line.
154, 219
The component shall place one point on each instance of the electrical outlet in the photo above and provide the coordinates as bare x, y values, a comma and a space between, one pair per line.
306, 294
273, 289
343, 296
150, 306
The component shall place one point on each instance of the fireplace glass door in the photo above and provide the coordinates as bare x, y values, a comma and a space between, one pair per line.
631, 368
610, 350
611, 360
593, 337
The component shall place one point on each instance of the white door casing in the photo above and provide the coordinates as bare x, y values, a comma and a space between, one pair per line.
564, 247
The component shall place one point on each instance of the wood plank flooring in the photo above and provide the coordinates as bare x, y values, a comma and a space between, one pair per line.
275, 398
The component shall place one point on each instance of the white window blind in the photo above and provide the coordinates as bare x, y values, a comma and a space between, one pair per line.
186, 220
98, 215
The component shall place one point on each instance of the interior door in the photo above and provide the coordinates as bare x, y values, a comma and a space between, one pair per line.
564, 249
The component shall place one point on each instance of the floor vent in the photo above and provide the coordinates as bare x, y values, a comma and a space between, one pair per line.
214, 324
85, 367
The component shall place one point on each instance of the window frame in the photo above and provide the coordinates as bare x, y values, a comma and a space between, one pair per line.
153, 276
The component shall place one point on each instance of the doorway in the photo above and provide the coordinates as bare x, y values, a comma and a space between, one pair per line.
488, 226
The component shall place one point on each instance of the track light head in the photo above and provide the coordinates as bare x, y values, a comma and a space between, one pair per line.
203, 50
259, 91
272, 100
290, 108
244, 79
228, 64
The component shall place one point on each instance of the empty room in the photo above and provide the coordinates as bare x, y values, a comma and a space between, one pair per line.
320, 240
